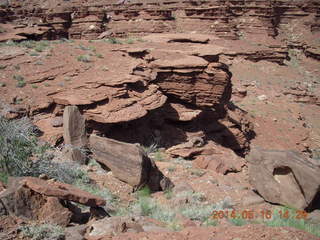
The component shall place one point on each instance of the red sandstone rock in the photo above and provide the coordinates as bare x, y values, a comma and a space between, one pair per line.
284, 177
62, 191
129, 163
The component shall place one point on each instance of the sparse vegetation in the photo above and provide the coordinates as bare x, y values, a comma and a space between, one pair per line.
18, 77
19, 143
197, 172
99, 55
21, 84
292, 221
84, 58
2, 67
34, 54
43, 232
2, 84
114, 40
84, 184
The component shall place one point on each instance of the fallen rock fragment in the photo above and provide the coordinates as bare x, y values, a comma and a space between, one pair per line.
74, 134
21, 201
129, 163
284, 177
219, 159
63, 191
209, 156
74, 131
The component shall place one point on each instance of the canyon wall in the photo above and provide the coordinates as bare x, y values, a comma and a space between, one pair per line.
223, 18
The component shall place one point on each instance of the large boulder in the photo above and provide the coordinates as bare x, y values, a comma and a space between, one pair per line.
284, 177
128, 162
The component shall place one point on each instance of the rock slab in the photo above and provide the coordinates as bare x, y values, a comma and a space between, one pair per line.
74, 130
74, 134
284, 177
128, 162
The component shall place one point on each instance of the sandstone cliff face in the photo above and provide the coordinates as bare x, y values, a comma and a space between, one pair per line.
223, 18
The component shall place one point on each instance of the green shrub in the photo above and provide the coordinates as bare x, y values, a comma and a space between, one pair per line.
4, 177
43, 232
21, 84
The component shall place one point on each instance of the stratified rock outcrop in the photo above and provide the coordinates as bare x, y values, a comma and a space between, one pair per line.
226, 19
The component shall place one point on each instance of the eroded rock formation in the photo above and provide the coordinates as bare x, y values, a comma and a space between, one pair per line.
223, 18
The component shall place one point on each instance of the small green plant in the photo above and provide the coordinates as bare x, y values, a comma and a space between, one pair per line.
197, 172
168, 194
2, 67
210, 222
84, 58
172, 168
144, 192
21, 84
4, 177
99, 55
43, 232
2, 84
129, 41
113, 40
34, 54
39, 48
34, 86
238, 221
46, 84
18, 77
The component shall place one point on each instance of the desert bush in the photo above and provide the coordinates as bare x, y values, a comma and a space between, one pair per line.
19, 143
43, 232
